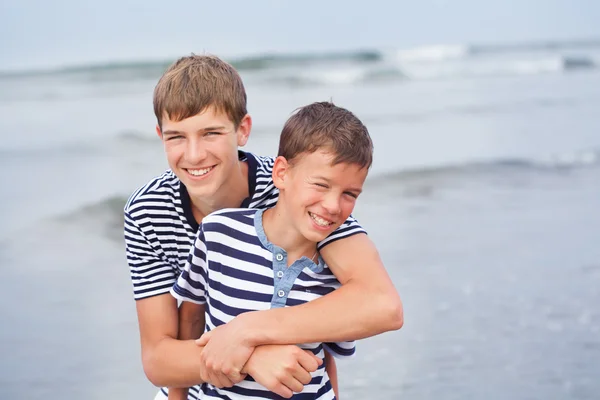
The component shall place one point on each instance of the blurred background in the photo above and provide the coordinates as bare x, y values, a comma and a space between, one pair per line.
483, 199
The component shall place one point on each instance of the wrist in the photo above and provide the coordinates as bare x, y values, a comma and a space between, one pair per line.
252, 329
199, 364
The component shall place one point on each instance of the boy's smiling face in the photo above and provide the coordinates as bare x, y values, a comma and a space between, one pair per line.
318, 196
202, 150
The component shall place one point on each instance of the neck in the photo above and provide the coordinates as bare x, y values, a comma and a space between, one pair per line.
276, 223
230, 195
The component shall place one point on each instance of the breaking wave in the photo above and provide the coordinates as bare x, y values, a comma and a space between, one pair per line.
424, 62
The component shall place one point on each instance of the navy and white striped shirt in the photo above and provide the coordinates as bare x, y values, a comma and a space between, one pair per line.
160, 228
233, 268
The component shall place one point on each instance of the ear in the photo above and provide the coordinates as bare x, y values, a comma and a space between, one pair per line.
280, 169
158, 131
243, 131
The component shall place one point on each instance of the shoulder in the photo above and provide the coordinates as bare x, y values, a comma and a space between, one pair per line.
262, 164
230, 222
159, 192
230, 214
263, 193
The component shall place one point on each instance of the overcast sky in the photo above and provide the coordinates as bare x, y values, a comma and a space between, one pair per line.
36, 33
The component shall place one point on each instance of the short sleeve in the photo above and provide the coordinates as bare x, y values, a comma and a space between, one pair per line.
192, 283
341, 349
348, 228
151, 274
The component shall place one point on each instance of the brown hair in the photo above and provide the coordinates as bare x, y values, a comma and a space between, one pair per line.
194, 83
325, 125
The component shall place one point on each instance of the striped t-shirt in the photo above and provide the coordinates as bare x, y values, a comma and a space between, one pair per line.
233, 269
160, 227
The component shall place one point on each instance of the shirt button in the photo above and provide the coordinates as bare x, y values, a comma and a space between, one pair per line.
279, 257
279, 274
281, 293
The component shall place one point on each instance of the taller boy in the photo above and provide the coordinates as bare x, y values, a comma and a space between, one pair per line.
200, 105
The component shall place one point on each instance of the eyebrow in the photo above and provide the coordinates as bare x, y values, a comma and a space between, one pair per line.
207, 129
171, 133
212, 128
359, 191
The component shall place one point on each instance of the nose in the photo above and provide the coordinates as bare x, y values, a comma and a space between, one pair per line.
331, 203
195, 151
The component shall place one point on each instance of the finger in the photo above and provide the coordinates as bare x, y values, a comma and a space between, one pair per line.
239, 378
302, 375
209, 378
212, 379
203, 340
282, 390
225, 381
235, 376
317, 359
204, 375
309, 361
292, 383
212, 372
219, 380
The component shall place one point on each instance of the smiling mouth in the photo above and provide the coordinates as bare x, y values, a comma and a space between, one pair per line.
199, 172
320, 221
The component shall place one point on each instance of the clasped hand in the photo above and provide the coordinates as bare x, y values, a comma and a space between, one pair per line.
227, 358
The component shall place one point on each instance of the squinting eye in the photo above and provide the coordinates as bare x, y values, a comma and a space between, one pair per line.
321, 185
354, 196
212, 133
175, 137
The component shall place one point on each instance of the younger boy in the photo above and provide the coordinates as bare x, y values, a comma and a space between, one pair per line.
248, 260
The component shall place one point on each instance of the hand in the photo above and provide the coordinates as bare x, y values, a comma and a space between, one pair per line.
215, 377
282, 369
224, 355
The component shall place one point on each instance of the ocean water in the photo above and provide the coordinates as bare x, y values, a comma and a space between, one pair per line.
483, 201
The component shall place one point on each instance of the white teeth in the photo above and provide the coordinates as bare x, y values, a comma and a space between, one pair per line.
199, 172
320, 221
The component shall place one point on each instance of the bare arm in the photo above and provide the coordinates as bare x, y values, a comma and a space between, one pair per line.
365, 305
191, 320
191, 326
178, 363
174, 363
166, 360
331, 369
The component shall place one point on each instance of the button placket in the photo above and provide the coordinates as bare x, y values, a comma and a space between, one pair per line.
281, 285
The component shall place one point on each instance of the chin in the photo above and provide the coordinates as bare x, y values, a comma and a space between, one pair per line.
199, 191
316, 237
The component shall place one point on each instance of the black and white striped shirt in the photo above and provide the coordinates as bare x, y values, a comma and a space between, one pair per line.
160, 227
233, 268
